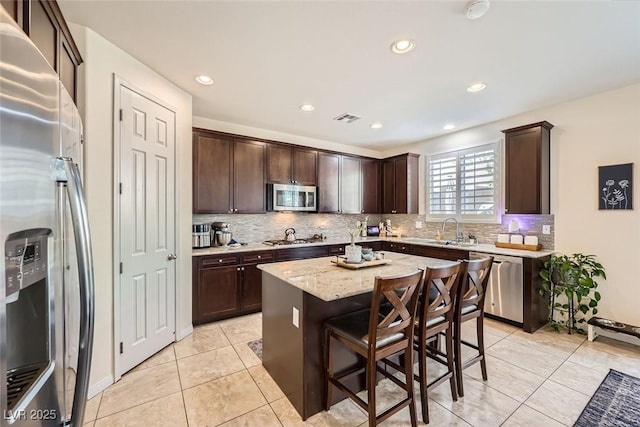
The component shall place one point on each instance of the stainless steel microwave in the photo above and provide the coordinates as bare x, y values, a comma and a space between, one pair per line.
288, 197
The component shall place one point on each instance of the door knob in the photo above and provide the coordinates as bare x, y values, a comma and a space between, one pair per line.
171, 257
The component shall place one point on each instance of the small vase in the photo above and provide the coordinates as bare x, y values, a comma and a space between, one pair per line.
353, 253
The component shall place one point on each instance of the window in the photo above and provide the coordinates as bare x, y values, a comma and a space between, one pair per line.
464, 184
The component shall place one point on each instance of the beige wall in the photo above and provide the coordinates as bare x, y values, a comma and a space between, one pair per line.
600, 130
102, 60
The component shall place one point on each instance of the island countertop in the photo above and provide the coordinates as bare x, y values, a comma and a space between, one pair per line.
327, 281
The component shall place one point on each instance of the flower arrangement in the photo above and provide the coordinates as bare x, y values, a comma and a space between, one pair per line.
360, 230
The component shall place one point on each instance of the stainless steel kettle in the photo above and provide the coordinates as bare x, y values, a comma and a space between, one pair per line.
290, 234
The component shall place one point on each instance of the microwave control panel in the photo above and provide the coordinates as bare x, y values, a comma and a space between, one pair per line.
25, 258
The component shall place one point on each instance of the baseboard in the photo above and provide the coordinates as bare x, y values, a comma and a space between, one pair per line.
184, 333
99, 387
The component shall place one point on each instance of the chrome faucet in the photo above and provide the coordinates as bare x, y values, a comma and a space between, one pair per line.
459, 236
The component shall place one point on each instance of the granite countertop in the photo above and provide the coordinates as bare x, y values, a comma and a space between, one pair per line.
483, 248
325, 280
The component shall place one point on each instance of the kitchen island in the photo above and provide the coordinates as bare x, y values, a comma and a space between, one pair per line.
297, 296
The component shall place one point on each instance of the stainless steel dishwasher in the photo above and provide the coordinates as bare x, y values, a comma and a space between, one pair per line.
504, 292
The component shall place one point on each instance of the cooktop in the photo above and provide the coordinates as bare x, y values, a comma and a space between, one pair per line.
288, 242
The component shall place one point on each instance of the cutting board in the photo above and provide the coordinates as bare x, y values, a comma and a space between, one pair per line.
341, 262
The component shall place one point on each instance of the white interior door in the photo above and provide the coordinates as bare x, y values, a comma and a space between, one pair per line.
147, 228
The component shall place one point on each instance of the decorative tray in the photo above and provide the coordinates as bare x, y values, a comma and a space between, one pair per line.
518, 246
342, 262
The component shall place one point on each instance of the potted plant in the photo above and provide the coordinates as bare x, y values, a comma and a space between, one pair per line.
571, 276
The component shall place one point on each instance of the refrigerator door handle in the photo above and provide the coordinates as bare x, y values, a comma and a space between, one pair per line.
68, 172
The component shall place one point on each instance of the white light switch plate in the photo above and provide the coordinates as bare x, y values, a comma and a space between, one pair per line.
546, 229
418, 224
296, 317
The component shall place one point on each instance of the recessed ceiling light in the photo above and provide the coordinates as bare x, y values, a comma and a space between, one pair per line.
307, 107
477, 8
376, 125
477, 87
402, 46
204, 80
449, 126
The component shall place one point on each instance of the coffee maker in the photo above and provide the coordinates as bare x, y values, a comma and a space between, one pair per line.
201, 236
220, 234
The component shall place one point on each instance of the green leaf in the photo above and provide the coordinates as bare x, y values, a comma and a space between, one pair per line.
584, 309
544, 274
597, 296
593, 303
594, 311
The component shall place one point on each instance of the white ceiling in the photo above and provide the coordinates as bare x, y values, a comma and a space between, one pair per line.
268, 58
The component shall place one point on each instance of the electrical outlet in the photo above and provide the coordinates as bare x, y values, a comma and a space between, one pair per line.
546, 229
418, 224
296, 317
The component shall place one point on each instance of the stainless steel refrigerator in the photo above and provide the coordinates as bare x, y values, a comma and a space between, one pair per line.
46, 273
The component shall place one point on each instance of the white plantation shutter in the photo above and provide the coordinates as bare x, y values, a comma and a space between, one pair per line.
464, 184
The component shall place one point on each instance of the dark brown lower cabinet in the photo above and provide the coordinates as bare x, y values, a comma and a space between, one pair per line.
226, 286
218, 293
441, 253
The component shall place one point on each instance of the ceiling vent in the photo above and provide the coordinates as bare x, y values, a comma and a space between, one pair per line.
347, 118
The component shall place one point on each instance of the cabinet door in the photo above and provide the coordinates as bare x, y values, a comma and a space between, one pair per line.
14, 8
68, 70
401, 185
251, 287
305, 167
43, 32
212, 166
279, 164
328, 182
350, 192
248, 177
527, 169
370, 185
251, 292
219, 293
388, 186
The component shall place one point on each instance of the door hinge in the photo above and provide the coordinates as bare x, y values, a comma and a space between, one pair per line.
121, 114
81, 139
120, 188
121, 268
121, 347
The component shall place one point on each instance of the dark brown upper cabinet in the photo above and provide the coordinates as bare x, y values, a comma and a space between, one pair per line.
371, 185
340, 183
400, 184
228, 174
527, 169
43, 22
291, 165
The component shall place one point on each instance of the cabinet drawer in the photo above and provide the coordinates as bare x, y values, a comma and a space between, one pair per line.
336, 249
257, 257
301, 253
218, 260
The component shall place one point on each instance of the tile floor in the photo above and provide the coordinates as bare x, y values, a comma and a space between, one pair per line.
213, 378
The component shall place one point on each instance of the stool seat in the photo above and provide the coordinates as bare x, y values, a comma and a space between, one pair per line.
355, 327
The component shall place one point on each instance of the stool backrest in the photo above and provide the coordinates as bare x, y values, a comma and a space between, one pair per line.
439, 292
393, 306
473, 287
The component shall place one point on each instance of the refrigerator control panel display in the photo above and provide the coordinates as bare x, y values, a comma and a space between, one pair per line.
25, 259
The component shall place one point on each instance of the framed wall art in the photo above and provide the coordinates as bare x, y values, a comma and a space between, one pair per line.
616, 187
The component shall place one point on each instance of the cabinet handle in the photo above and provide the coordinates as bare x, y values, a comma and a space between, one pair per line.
242, 269
506, 211
259, 256
237, 268
219, 260
235, 210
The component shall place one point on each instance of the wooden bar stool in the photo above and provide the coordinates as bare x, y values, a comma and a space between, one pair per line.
469, 306
384, 330
435, 316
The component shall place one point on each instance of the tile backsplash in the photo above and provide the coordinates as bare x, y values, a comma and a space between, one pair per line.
259, 227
